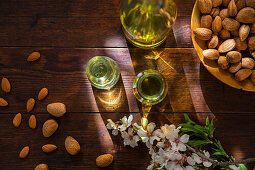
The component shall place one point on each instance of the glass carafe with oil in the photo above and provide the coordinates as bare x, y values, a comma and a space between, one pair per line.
147, 23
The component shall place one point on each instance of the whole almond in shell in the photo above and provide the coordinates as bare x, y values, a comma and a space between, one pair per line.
17, 120
244, 31
49, 148
250, 3
211, 54
42, 167
224, 14
49, 127
251, 43
213, 42
72, 146
227, 45
205, 6
225, 2
203, 33
43, 93
240, 4
56, 109
30, 104
225, 34
24, 152
6, 86
223, 63
252, 53
34, 56
215, 12
232, 9
246, 15
206, 21
248, 63
252, 28
253, 77
216, 25
235, 67
3, 102
235, 33
32, 122
243, 74
234, 56
230, 24
240, 45
104, 160
216, 3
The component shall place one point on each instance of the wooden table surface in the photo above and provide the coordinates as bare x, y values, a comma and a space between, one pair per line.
68, 33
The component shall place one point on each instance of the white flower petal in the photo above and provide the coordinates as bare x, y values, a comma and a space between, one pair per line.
142, 133
181, 147
150, 127
234, 167
196, 158
159, 133
190, 161
130, 131
130, 118
189, 168
124, 119
115, 132
150, 167
207, 153
136, 138
184, 138
207, 164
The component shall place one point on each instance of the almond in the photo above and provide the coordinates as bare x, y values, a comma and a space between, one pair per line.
234, 56
3, 102
213, 42
224, 14
230, 24
225, 2
43, 93
240, 4
49, 127
206, 21
215, 12
33, 56
235, 33
240, 45
24, 152
205, 6
246, 15
244, 32
32, 122
42, 167
216, 25
17, 120
248, 63
56, 109
222, 62
6, 86
243, 74
211, 54
232, 9
72, 146
252, 53
104, 160
250, 3
216, 3
252, 28
235, 67
225, 34
253, 77
227, 45
203, 33
251, 43
30, 104
49, 148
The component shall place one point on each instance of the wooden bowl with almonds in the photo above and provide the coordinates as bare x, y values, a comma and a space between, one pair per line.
234, 64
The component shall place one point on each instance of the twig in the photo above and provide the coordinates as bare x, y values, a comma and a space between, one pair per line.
222, 164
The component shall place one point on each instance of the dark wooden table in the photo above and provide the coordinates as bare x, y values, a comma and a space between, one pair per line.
68, 33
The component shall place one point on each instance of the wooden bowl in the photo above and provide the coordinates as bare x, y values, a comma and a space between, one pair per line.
212, 66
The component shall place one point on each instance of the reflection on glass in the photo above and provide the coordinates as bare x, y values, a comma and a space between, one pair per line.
102, 72
147, 23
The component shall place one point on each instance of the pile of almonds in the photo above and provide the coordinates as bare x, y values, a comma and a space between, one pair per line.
228, 26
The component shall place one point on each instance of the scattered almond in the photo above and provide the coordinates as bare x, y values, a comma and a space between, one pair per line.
250, 3
43, 93
56, 109
215, 12
240, 4
252, 28
216, 25
224, 14
230, 24
225, 2
241, 45
244, 31
227, 45
24, 152
203, 33
205, 6
216, 3
243, 74
206, 21
6, 86
33, 56
225, 34
248, 63
253, 77
49, 127
235, 33
32, 122
213, 42
30, 104
246, 15
42, 167
211, 54
17, 120
235, 67
104, 160
251, 43
3, 102
234, 56
223, 63
72, 146
49, 148
232, 9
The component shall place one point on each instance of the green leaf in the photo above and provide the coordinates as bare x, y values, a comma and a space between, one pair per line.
187, 119
198, 142
218, 154
242, 167
207, 122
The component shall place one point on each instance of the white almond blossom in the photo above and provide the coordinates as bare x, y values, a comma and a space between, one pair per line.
147, 134
199, 160
175, 163
163, 157
234, 167
126, 122
130, 138
111, 125
178, 142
